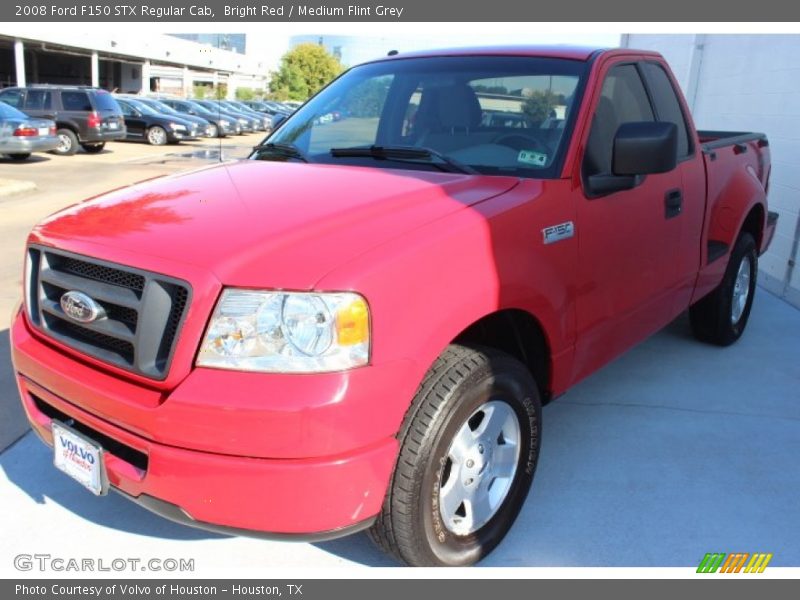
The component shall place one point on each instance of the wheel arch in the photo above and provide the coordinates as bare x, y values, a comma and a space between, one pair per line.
516, 332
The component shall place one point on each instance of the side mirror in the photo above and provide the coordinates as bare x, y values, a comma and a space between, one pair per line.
640, 148
277, 121
644, 148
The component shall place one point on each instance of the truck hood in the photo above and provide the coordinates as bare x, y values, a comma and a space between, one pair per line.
264, 223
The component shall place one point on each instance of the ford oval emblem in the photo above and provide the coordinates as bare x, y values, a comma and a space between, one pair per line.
80, 307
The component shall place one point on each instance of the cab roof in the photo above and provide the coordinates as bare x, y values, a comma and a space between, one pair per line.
580, 53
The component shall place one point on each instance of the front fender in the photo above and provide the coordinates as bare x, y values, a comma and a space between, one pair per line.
427, 286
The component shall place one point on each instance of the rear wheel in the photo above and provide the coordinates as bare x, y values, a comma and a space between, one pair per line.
721, 317
20, 156
93, 148
469, 446
67, 142
157, 136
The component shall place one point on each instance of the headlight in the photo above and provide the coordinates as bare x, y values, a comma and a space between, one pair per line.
287, 332
224, 122
243, 121
177, 127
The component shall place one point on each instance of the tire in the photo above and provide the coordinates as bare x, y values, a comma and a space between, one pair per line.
213, 131
93, 148
20, 156
68, 142
422, 522
157, 136
721, 317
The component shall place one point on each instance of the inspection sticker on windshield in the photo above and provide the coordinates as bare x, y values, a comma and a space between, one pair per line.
529, 157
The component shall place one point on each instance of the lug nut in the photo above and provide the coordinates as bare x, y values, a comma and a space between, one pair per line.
480, 448
468, 481
470, 463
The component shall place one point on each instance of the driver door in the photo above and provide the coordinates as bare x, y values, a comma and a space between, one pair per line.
628, 272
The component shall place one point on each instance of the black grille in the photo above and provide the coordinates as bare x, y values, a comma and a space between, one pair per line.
141, 312
102, 273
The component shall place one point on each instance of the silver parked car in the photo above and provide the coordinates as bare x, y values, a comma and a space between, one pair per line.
21, 135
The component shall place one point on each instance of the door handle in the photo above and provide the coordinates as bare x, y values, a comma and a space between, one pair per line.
673, 203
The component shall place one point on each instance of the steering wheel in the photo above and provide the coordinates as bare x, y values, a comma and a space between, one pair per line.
520, 141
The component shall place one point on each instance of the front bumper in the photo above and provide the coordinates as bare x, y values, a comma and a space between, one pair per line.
200, 456
25, 145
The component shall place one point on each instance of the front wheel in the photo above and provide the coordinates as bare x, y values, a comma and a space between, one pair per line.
157, 136
213, 131
721, 317
469, 447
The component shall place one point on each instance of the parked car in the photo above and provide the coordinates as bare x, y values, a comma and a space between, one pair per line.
248, 124
85, 117
267, 108
263, 122
225, 125
157, 129
21, 135
357, 327
204, 127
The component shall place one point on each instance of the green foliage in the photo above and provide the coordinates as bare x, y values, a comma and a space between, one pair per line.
540, 103
491, 89
245, 94
221, 93
304, 70
199, 91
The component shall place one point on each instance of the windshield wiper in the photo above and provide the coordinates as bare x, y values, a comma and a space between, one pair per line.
282, 149
410, 153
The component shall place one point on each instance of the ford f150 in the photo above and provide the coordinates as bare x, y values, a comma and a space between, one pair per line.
356, 328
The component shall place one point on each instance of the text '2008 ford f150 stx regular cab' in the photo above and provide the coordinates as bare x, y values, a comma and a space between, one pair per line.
356, 327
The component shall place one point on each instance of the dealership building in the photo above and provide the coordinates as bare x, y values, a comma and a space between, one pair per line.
127, 63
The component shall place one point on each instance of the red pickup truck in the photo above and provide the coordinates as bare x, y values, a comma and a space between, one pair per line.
356, 327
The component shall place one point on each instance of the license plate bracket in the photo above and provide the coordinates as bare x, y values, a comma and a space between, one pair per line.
79, 457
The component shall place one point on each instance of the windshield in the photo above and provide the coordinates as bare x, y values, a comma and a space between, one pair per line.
503, 115
142, 107
160, 107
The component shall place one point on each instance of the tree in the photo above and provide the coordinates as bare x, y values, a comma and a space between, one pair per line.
245, 94
303, 71
540, 104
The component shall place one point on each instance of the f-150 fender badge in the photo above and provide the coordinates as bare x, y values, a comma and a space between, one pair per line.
556, 233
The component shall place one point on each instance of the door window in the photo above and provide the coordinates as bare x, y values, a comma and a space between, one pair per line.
667, 104
623, 99
38, 100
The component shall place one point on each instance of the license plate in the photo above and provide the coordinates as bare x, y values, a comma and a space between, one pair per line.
113, 125
44, 131
80, 458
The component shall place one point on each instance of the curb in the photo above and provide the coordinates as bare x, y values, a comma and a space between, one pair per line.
9, 187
